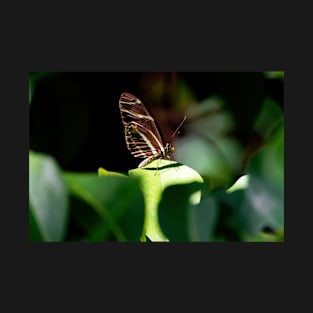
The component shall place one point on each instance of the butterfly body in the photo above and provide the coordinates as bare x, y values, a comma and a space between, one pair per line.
142, 136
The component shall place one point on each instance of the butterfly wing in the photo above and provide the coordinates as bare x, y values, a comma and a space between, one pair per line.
141, 133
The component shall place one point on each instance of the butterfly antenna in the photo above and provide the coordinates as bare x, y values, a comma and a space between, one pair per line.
179, 126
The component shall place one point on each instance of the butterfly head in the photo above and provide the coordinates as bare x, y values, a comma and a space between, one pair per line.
169, 148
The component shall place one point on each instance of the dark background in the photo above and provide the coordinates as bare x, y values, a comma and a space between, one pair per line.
74, 116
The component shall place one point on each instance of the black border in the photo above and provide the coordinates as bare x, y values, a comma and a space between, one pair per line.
188, 42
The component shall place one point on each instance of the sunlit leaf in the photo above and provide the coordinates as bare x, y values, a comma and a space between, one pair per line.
241, 183
104, 172
154, 179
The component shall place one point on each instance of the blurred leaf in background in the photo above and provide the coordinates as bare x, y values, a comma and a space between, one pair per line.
48, 199
111, 207
275, 74
208, 146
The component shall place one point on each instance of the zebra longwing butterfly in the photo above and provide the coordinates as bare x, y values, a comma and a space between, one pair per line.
142, 136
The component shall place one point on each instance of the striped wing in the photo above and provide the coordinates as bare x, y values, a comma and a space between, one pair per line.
141, 133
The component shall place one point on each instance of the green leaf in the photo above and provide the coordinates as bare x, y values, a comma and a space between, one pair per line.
154, 178
266, 204
266, 182
275, 74
266, 237
181, 219
104, 172
203, 219
269, 117
30, 91
34, 231
48, 199
116, 203
241, 183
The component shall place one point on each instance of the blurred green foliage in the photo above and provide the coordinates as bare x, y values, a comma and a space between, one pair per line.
222, 189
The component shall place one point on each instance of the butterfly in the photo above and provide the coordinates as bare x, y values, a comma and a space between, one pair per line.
142, 135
